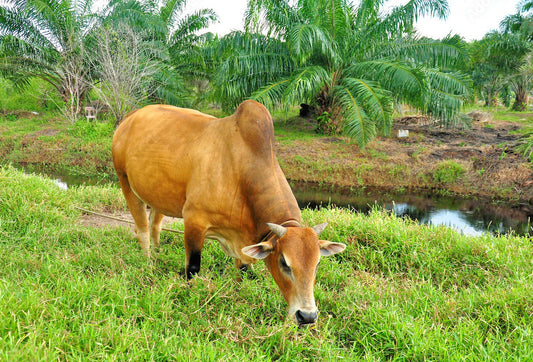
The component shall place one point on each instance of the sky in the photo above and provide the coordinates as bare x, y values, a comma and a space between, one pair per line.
469, 18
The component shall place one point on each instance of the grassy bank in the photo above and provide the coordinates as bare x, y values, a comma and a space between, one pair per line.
400, 290
51, 142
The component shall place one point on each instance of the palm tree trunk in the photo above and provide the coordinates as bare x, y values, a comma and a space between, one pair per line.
520, 88
520, 101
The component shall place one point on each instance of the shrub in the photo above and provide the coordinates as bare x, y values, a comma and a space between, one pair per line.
448, 172
527, 149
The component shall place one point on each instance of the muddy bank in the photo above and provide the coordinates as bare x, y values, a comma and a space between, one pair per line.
486, 152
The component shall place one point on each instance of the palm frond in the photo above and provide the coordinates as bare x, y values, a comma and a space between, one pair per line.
170, 11
186, 28
447, 53
270, 17
376, 101
447, 94
357, 123
305, 39
305, 84
271, 96
405, 82
401, 19
250, 62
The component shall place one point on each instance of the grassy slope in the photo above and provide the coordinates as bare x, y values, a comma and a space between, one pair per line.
400, 290
80, 149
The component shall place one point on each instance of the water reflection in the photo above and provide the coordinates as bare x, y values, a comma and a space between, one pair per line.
450, 218
61, 184
469, 216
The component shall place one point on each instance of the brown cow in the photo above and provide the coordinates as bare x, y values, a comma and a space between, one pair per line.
222, 177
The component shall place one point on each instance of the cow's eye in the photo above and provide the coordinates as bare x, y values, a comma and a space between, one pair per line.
284, 266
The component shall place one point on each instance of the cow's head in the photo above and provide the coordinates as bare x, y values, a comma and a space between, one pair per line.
292, 257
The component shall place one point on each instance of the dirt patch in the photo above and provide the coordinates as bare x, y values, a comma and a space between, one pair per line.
44, 132
98, 221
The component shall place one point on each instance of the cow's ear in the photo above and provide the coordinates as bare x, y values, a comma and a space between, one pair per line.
258, 251
328, 248
319, 228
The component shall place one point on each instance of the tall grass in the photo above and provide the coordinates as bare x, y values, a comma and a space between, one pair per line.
400, 290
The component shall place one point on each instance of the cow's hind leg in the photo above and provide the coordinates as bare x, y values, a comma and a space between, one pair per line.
194, 242
138, 211
155, 226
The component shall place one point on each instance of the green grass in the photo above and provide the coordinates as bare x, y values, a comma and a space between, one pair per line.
79, 149
448, 172
400, 290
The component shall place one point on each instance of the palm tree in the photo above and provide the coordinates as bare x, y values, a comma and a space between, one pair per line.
517, 34
351, 62
521, 22
44, 39
56, 40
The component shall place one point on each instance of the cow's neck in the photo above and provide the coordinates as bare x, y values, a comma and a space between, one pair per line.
271, 201
268, 195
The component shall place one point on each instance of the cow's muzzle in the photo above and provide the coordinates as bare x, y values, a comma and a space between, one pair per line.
305, 318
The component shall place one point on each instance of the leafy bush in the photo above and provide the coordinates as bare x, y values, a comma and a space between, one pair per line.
325, 124
38, 97
527, 149
448, 172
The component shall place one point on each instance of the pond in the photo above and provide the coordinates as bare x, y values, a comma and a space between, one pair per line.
467, 215
470, 216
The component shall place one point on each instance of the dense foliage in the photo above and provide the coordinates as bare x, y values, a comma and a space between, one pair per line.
77, 47
352, 62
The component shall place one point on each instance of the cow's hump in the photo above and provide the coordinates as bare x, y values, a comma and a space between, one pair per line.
255, 125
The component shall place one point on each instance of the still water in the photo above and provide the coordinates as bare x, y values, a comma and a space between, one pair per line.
469, 216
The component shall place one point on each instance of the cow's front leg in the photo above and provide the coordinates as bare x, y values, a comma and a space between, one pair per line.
155, 226
243, 269
194, 242
241, 266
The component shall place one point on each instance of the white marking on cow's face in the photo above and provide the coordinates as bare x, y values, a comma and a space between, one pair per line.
293, 260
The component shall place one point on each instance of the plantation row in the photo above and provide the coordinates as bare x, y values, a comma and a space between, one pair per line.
353, 64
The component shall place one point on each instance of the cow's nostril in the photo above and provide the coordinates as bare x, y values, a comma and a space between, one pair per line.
306, 317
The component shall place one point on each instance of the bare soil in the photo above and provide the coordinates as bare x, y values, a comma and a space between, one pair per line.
92, 220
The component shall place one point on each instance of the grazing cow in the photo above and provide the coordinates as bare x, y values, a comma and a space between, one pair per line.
222, 177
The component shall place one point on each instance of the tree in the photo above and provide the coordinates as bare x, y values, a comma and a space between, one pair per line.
45, 39
163, 23
518, 29
521, 82
127, 66
500, 60
350, 61
520, 23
